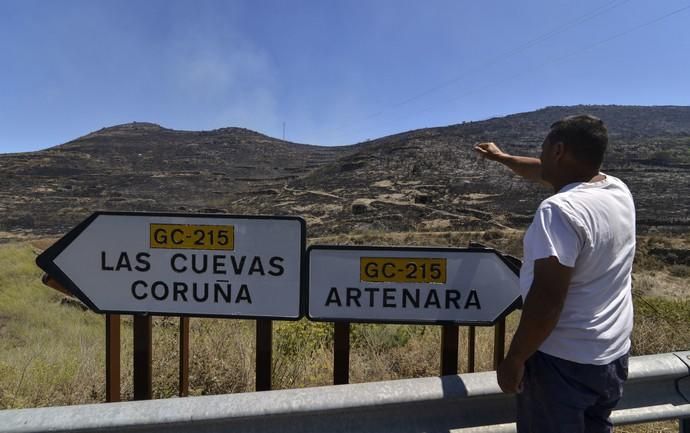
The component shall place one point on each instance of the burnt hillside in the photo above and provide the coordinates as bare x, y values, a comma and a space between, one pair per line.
427, 179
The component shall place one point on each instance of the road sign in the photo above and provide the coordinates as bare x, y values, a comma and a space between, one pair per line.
182, 264
471, 286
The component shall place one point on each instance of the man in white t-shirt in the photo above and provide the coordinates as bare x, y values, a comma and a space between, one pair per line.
568, 358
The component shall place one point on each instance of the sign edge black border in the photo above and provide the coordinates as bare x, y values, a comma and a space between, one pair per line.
516, 304
45, 261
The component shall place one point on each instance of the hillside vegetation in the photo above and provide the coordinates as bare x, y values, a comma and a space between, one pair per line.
427, 179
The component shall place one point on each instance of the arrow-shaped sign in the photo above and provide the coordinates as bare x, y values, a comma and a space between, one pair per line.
182, 264
470, 286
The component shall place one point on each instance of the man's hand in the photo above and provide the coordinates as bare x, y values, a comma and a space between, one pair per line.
510, 374
490, 151
529, 168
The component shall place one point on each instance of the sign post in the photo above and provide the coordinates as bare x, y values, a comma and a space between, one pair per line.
264, 354
183, 389
112, 358
142, 357
449, 349
471, 343
341, 353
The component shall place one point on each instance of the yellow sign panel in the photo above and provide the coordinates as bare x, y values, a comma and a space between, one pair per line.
402, 270
192, 237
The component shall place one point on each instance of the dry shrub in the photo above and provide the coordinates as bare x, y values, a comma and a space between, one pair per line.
420, 357
221, 356
680, 271
652, 427
661, 325
385, 352
492, 235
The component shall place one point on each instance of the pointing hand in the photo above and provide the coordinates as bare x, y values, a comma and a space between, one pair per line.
489, 150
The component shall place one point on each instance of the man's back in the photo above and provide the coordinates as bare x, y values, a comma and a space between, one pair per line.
592, 229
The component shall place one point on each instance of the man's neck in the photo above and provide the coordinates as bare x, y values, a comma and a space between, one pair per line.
580, 178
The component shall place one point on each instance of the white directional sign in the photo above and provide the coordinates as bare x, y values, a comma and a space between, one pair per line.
410, 285
197, 265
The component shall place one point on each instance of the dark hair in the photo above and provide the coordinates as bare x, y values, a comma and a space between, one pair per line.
585, 136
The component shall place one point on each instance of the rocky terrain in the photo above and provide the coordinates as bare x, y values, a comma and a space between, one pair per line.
423, 180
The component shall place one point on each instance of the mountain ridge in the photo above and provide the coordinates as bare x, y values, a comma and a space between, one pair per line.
151, 126
413, 180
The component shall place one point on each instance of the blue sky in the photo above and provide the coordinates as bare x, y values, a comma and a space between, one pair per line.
335, 72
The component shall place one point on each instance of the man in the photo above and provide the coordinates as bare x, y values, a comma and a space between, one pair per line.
569, 356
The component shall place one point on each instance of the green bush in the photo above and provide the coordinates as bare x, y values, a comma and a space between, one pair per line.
382, 338
302, 336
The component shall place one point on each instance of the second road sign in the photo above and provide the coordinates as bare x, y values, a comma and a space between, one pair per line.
410, 285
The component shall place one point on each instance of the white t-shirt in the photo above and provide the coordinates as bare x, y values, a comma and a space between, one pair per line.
589, 227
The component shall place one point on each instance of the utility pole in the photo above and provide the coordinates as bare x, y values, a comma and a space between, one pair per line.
283, 131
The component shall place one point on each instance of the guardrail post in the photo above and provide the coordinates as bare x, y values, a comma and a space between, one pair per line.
184, 357
264, 354
112, 358
142, 357
449, 349
341, 353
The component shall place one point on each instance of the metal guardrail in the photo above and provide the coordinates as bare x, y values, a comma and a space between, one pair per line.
658, 388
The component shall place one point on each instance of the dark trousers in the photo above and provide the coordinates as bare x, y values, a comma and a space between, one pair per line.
562, 396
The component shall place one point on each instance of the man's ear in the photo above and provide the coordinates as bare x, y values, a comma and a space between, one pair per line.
558, 149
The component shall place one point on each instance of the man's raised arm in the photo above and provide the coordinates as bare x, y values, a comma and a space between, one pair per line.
529, 168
